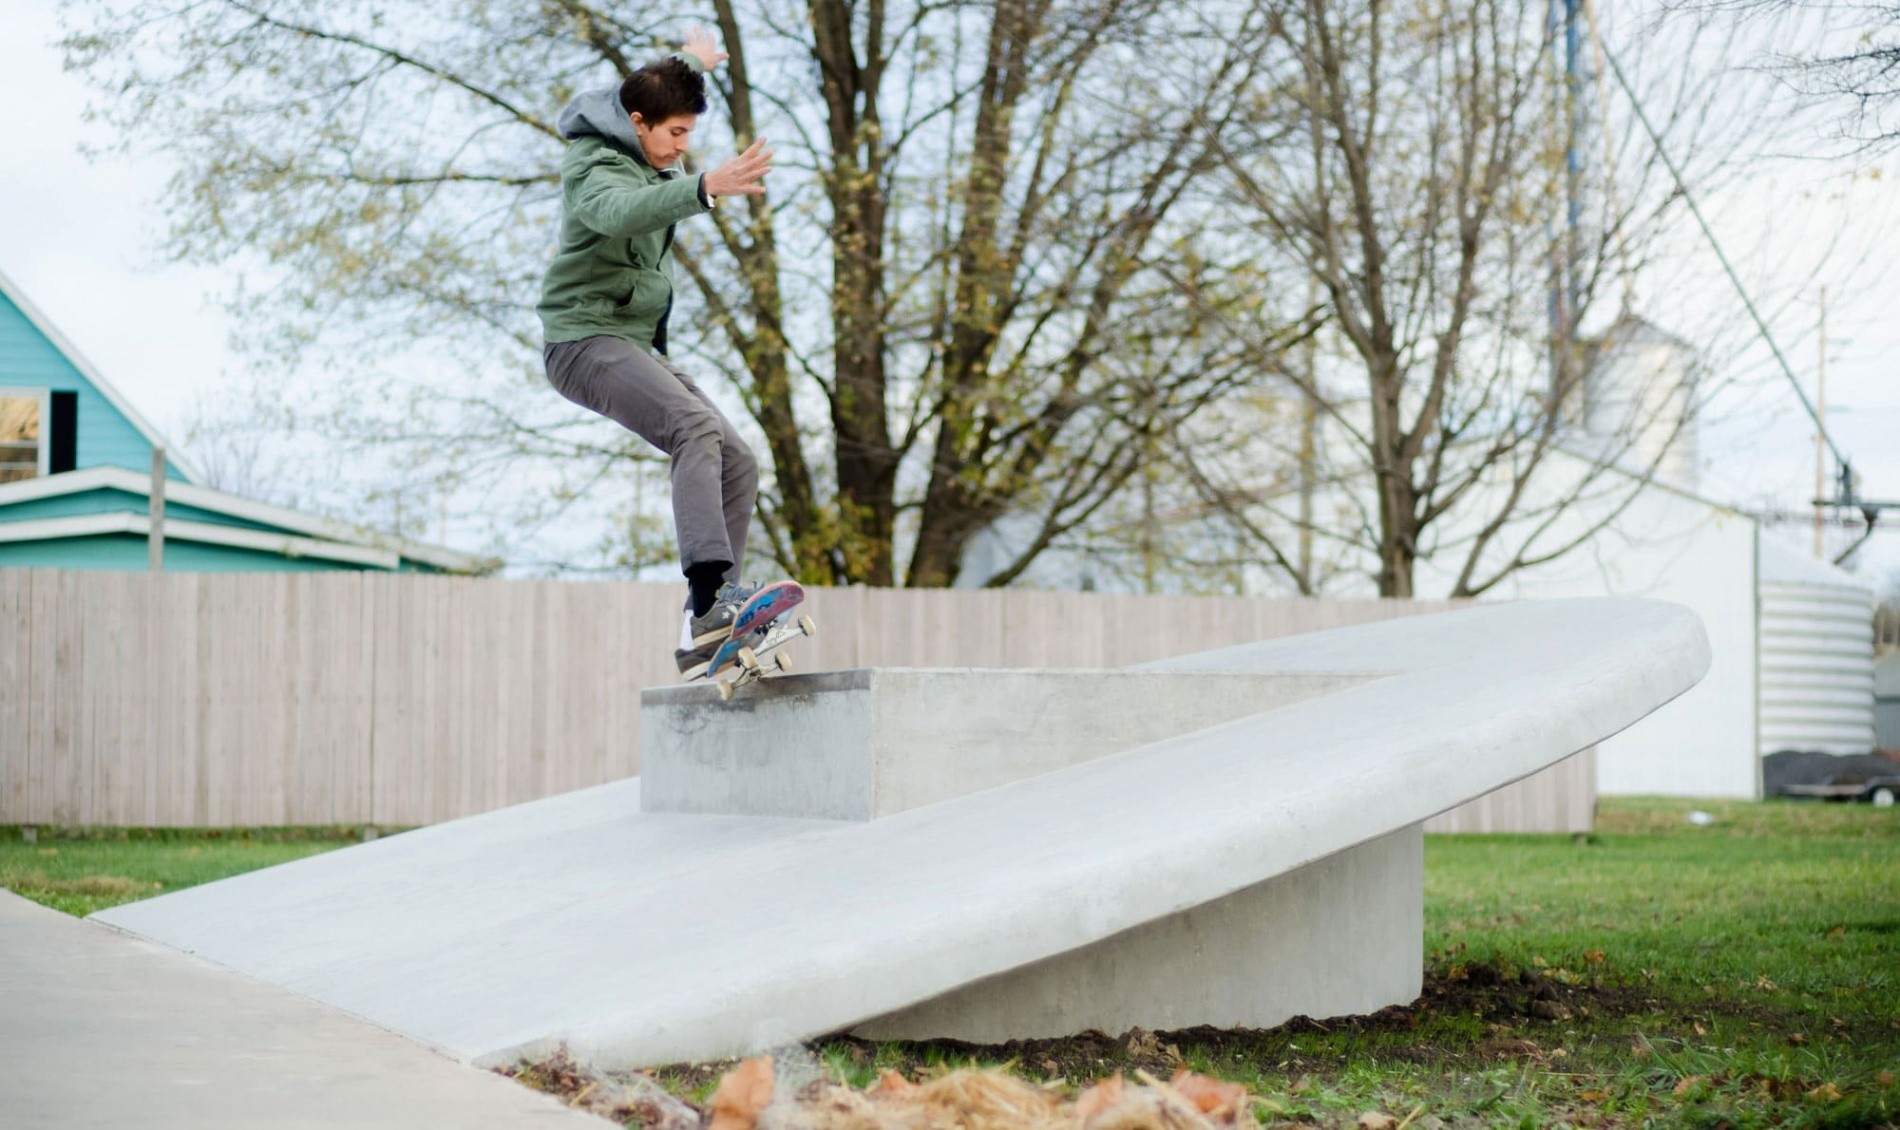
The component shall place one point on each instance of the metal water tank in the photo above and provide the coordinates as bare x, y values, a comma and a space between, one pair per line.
1816, 654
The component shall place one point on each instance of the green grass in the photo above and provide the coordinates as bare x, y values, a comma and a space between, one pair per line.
80, 871
1741, 973
1657, 973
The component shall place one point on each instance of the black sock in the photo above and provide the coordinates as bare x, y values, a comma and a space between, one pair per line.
704, 580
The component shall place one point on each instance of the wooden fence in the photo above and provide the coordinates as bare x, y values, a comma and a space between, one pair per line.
338, 698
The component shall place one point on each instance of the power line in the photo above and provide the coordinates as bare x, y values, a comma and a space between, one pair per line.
1682, 186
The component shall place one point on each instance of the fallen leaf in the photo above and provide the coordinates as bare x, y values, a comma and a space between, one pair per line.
1687, 1083
1375, 1120
1593, 957
1699, 1029
1797, 1038
1100, 1097
1139, 1042
1886, 1078
743, 1092
1209, 1096
1836, 932
1826, 1092
892, 1083
1593, 1096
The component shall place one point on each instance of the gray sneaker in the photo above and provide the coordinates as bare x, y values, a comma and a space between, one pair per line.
715, 627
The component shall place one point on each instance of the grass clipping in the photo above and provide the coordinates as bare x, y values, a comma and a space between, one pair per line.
973, 1099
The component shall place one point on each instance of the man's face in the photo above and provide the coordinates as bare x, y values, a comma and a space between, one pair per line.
666, 142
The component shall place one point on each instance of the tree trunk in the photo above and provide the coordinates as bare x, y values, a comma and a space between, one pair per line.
866, 460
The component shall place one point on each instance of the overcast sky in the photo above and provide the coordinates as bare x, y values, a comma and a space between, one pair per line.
80, 238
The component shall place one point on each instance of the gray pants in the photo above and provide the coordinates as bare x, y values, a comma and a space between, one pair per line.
715, 477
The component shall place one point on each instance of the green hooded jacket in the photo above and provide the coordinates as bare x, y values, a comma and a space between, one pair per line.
611, 273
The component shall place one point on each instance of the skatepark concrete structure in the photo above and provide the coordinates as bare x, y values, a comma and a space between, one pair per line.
1231, 837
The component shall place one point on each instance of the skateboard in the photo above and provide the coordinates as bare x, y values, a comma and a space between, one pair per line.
761, 628
748, 660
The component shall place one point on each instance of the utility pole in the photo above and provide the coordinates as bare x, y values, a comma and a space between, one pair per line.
155, 537
1566, 268
1820, 437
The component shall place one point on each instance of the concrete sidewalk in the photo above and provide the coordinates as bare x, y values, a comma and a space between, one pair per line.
100, 1029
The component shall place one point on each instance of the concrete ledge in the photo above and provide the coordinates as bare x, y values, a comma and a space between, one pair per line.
870, 743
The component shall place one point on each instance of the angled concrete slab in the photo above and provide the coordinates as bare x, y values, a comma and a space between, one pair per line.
102, 1030
641, 937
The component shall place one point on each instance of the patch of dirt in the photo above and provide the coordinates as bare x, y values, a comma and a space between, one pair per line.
1523, 1008
629, 1098
1528, 1015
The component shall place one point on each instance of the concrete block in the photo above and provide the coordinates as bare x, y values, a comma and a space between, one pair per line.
869, 743
1340, 937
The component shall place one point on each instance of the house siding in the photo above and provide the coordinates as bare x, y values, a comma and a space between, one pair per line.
104, 435
109, 501
129, 553
105, 438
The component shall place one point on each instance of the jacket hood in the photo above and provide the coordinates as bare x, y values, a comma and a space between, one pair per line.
597, 113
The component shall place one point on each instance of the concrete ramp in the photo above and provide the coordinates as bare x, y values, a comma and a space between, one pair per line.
1202, 855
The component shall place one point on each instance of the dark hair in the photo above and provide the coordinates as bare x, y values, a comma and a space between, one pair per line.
663, 90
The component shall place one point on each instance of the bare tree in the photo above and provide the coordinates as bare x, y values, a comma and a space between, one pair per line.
933, 318
1850, 58
1420, 165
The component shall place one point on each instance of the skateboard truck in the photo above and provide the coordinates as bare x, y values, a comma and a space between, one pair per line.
749, 661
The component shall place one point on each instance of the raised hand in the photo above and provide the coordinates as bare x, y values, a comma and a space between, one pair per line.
701, 45
740, 176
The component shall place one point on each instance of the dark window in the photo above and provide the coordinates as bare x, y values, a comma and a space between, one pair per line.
64, 437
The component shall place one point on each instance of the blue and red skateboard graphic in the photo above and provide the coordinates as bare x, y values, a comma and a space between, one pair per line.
762, 626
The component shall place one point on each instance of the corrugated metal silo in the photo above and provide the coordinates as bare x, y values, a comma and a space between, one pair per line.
1816, 655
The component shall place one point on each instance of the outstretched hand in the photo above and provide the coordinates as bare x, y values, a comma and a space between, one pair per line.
701, 45
741, 175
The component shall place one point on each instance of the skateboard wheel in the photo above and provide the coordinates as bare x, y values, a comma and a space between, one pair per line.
748, 660
783, 662
725, 690
807, 626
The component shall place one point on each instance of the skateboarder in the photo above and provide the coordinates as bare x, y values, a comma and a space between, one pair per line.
606, 299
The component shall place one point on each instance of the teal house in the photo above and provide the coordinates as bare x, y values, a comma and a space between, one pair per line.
76, 482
